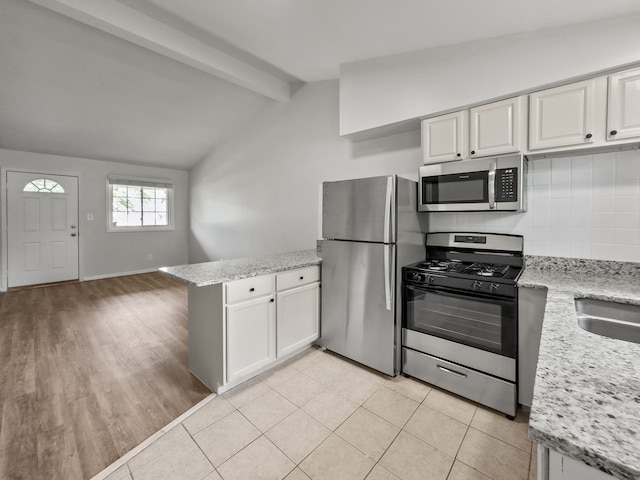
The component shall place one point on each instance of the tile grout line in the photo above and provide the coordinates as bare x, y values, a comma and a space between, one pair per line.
325, 388
202, 451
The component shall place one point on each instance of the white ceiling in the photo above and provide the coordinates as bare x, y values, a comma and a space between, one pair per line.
68, 88
310, 38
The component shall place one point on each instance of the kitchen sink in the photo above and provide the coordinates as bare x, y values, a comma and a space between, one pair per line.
609, 319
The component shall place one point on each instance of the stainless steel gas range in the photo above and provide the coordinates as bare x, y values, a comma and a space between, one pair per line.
460, 316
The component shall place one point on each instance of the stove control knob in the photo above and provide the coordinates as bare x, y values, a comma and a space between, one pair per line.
493, 287
430, 280
477, 285
416, 276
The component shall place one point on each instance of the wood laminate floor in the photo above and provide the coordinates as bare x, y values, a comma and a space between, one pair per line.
88, 371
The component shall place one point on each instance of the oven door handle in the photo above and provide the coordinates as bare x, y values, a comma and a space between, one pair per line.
452, 372
424, 288
492, 186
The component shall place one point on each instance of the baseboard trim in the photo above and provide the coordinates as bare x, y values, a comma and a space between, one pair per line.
118, 274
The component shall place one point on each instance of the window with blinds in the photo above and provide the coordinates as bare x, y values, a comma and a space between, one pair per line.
140, 204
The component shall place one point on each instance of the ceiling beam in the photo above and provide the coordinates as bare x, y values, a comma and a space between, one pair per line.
134, 26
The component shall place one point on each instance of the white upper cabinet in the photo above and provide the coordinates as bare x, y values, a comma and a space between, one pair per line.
492, 129
623, 115
562, 116
495, 128
444, 138
601, 113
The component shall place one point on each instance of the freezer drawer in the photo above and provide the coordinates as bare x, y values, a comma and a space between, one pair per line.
484, 389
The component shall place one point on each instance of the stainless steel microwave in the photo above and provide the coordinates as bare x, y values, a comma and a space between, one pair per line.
484, 184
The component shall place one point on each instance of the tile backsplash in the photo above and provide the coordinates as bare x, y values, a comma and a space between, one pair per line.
586, 206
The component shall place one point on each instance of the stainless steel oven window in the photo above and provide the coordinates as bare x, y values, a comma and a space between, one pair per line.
485, 323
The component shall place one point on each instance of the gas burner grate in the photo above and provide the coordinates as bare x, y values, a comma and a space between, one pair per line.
441, 265
488, 270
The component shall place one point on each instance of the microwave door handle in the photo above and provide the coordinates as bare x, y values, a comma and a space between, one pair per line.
492, 186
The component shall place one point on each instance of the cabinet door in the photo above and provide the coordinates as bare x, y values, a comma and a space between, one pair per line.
565, 468
562, 116
495, 128
251, 339
298, 318
444, 138
623, 112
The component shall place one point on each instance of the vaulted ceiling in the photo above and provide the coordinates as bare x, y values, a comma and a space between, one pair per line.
161, 82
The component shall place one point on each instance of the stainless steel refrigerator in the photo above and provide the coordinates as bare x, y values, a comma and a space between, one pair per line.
371, 228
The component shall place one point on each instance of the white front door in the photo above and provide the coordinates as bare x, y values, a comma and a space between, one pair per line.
42, 228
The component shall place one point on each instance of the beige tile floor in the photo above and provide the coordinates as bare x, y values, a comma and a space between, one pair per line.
319, 416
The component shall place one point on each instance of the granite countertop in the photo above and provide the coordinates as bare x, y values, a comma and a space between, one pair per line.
586, 401
210, 273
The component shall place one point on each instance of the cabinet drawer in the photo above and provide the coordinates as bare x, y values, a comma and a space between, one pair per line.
490, 391
248, 288
296, 278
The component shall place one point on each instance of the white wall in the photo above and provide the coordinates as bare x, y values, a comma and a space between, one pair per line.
582, 207
393, 89
105, 253
259, 193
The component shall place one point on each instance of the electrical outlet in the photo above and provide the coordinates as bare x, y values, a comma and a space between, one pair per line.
150, 256
90, 217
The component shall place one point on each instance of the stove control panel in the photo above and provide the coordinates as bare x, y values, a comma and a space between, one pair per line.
420, 278
488, 287
458, 282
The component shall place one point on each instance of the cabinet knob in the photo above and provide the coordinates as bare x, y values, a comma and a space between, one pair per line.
588, 135
252, 289
613, 132
272, 300
301, 278
458, 155
473, 152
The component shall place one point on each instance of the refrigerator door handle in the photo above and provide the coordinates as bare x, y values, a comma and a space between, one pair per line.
388, 271
387, 210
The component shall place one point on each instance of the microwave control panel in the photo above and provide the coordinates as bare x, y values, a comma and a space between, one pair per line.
507, 185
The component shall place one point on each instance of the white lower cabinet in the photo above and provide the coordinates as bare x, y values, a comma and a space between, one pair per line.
243, 327
561, 467
251, 336
298, 312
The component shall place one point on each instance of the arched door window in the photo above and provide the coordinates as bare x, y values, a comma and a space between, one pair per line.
43, 185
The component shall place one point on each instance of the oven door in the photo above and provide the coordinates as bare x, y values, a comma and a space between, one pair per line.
471, 319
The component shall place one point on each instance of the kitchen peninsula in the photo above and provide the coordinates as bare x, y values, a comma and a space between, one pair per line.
248, 314
586, 402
